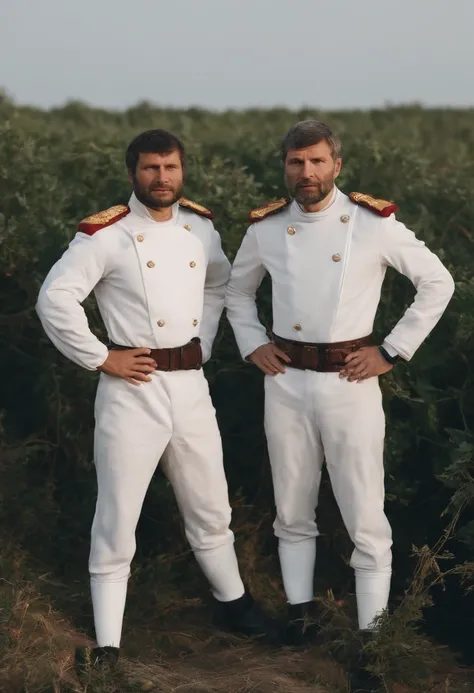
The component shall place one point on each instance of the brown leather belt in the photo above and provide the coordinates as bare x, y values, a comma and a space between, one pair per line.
184, 358
324, 358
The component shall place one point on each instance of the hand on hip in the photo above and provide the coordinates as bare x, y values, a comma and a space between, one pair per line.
365, 363
133, 365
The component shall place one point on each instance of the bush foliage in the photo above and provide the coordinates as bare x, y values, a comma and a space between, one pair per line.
59, 166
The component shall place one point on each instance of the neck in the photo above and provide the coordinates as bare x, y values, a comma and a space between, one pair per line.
161, 213
319, 206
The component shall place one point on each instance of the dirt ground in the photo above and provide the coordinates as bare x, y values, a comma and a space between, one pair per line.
175, 651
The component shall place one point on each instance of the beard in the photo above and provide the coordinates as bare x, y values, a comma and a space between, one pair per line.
147, 198
314, 195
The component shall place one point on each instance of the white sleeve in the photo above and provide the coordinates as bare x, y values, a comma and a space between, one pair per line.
59, 308
246, 276
217, 276
403, 251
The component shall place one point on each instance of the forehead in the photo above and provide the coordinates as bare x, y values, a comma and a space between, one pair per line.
322, 149
155, 159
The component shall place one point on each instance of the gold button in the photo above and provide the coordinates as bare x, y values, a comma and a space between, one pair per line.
336, 257
195, 322
345, 218
161, 323
291, 231
187, 227
150, 264
140, 238
192, 264
297, 327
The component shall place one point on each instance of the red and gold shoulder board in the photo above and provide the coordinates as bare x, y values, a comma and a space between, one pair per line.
270, 208
195, 207
383, 208
102, 219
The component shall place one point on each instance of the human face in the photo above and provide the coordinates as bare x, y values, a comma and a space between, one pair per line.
158, 179
310, 174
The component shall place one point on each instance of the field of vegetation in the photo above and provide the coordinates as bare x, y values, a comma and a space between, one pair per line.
59, 166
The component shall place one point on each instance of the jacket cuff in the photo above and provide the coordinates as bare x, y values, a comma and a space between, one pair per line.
391, 351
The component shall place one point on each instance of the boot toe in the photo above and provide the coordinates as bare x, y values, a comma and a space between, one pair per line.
246, 617
301, 630
90, 659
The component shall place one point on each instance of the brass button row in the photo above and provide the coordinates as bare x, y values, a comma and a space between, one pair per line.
141, 238
291, 230
151, 264
161, 323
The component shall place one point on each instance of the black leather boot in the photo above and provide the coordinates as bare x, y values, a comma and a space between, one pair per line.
301, 630
361, 680
89, 659
246, 617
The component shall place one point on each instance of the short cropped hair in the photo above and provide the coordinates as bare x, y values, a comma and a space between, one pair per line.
153, 142
307, 133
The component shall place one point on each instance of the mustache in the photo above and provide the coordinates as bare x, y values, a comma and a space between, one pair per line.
302, 183
161, 187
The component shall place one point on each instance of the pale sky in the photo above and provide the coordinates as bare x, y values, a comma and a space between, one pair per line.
238, 53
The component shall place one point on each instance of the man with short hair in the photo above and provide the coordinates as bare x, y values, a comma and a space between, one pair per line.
159, 274
327, 254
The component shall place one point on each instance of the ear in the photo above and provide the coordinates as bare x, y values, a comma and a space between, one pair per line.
130, 177
337, 168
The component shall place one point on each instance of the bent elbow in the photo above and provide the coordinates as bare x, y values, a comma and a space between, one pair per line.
236, 295
229, 296
47, 304
450, 285
447, 285
42, 301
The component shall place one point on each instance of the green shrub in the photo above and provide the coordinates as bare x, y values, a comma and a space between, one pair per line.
57, 167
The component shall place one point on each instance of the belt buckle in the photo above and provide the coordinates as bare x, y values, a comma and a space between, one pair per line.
308, 363
336, 357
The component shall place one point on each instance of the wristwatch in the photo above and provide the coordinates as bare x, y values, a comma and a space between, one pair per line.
392, 360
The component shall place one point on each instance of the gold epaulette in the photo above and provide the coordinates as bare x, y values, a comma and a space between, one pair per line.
383, 208
268, 209
195, 207
102, 219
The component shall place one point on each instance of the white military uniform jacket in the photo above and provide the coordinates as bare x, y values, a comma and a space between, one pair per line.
156, 284
327, 270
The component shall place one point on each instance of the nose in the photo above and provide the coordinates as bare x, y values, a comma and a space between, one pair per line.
161, 175
308, 170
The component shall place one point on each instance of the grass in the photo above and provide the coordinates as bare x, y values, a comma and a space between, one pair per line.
170, 645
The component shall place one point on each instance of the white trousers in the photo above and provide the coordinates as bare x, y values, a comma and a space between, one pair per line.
311, 417
170, 418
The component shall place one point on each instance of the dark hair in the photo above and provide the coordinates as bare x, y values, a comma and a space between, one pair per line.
307, 133
153, 142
